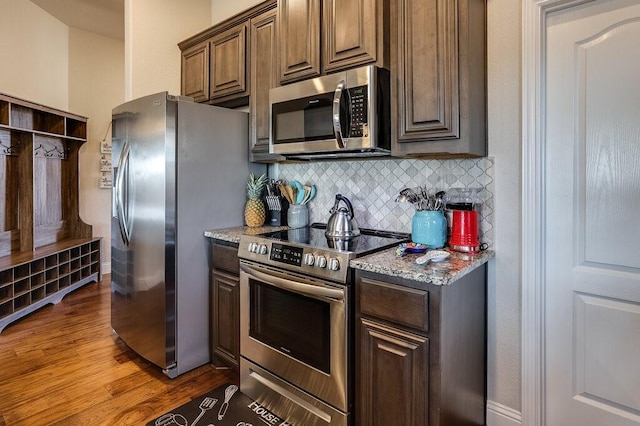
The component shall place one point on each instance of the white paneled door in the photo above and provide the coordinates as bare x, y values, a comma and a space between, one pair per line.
592, 215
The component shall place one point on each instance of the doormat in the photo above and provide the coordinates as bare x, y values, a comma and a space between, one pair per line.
223, 406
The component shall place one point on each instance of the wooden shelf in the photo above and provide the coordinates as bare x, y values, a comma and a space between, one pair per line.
29, 281
46, 250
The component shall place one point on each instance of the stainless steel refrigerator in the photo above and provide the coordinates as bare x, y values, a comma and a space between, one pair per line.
179, 168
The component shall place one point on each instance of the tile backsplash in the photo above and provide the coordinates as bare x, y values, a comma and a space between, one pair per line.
373, 185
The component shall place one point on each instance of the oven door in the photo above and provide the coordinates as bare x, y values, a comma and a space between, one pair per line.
296, 328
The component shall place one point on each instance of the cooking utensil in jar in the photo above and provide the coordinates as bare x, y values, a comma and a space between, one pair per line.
312, 193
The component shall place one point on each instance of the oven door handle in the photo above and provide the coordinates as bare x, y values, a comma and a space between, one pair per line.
295, 286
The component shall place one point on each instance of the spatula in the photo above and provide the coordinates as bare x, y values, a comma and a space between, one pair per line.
206, 404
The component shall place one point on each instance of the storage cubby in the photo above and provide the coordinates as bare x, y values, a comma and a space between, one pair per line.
65, 281
6, 309
6, 293
76, 128
47, 122
51, 288
21, 302
6, 277
4, 113
29, 281
63, 269
37, 294
21, 117
46, 250
37, 280
21, 286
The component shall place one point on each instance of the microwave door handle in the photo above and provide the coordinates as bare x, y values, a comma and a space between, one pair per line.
337, 127
294, 286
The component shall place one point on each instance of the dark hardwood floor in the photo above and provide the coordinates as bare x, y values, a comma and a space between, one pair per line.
63, 365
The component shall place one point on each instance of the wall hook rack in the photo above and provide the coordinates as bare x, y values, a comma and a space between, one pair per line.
52, 151
10, 148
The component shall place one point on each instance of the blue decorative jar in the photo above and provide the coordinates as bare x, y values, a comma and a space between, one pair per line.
429, 227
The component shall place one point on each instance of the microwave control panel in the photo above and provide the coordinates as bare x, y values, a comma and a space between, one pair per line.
359, 116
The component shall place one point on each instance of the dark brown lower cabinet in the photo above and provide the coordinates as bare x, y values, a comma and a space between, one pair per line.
225, 305
420, 351
393, 385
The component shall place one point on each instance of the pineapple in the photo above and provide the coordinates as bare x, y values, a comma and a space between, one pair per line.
254, 213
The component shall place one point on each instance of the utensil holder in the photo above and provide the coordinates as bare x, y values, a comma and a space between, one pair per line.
298, 216
429, 227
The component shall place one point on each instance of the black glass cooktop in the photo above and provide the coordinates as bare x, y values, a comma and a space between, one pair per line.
367, 242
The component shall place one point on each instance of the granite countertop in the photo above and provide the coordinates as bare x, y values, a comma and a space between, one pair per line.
232, 235
385, 262
438, 273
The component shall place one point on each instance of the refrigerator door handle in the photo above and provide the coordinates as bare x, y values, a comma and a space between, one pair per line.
119, 189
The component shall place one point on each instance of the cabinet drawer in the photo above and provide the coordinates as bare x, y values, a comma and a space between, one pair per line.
225, 258
402, 305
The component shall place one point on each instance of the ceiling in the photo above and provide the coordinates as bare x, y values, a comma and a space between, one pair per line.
104, 17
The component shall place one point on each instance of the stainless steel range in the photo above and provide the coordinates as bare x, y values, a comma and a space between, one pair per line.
296, 321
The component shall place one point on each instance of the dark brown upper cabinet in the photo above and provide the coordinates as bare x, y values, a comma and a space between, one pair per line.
299, 39
319, 37
354, 33
216, 63
228, 57
195, 72
438, 64
264, 76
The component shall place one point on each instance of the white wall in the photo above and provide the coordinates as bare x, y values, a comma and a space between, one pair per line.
153, 29
34, 52
223, 9
504, 99
96, 73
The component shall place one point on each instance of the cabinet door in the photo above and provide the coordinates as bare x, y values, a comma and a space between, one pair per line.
299, 39
353, 33
438, 58
428, 62
228, 51
264, 76
392, 376
195, 72
225, 319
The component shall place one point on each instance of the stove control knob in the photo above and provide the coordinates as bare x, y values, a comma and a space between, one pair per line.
321, 262
253, 248
262, 249
309, 259
334, 264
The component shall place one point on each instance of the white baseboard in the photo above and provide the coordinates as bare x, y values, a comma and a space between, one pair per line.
106, 267
501, 415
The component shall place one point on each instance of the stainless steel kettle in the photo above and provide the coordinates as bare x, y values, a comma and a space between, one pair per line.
341, 223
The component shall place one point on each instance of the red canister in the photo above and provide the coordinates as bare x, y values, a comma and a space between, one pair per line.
464, 231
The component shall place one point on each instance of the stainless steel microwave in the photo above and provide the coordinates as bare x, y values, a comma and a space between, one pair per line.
346, 114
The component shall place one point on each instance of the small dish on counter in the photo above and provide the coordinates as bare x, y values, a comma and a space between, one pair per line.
433, 256
410, 248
